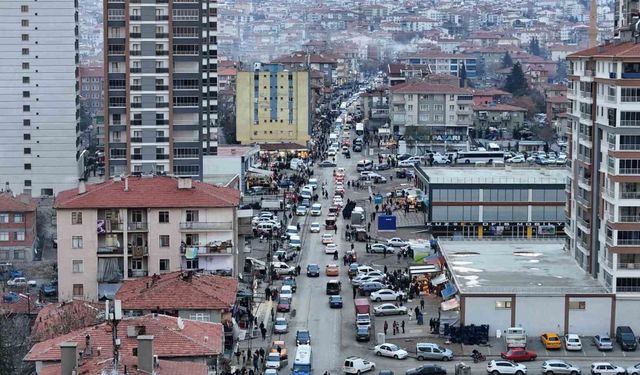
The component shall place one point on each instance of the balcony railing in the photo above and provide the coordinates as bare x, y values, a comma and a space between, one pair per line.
162, 156
137, 273
628, 242
137, 225
629, 218
199, 225
628, 289
110, 250
583, 201
629, 171
612, 98
585, 94
584, 158
225, 247
630, 195
162, 139
138, 251
585, 116
584, 223
629, 146
629, 122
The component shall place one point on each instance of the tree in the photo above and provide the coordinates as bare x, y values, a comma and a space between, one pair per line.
15, 343
526, 103
534, 47
516, 82
561, 70
507, 62
463, 75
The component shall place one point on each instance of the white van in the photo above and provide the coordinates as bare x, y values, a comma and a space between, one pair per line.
295, 163
364, 165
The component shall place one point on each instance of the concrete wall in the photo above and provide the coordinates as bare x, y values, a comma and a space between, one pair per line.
482, 310
594, 319
627, 313
540, 314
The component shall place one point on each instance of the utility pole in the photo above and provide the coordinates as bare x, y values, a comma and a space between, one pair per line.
593, 24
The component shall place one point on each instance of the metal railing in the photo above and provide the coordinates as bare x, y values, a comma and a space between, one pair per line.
629, 122
222, 249
584, 223
629, 218
628, 242
138, 250
629, 146
583, 201
585, 94
612, 98
110, 250
137, 225
630, 195
633, 171
584, 158
628, 289
137, 273
200, 225
585, 116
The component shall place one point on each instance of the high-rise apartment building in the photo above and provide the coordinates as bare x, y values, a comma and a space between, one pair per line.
603, 207
161, 87
38, 95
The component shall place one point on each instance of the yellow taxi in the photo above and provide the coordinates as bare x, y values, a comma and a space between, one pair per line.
551, 340
332, 270
283, 348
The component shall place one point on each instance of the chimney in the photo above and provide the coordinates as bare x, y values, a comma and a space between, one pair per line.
87, 347
145, 353
69, 358
126, 184
82, 187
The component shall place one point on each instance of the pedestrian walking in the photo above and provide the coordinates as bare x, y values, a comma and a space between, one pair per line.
255, 363
402, 325
395, 327
244, 358
354, 291
335, 228
298, 270
421, 303
238, 355
264, 333
399, 256
262, 353
267, 293
251, 372
386, 327
369, 227
431, 325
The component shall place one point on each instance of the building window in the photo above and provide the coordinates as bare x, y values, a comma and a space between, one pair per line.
192, 215
26, 108
503, 305
18, 218
24, 8
25, 65
4, 217
577, 305
27, 183
25, 51
26, 94
4, 236
20, 235
163, 216
18, 254
203, 317
78, 290
78, 266
76, 217
164, 240
26, 136
26, 122
25, 37
25, 23
76, 242
192, 264
164, 265
27, 167
27, 151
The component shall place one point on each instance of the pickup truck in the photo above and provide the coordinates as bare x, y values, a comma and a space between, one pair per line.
515, 337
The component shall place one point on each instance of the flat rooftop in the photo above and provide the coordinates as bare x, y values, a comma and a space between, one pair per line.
495, 175
525, 267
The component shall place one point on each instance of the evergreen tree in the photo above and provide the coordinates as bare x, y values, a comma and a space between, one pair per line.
463, 75
534, 47
516, 81
561, 70
507, 62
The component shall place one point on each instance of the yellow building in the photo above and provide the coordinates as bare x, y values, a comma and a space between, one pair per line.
273, 106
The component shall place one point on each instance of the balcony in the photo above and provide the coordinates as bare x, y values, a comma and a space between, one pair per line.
135, 18
198, 225
137, 273
630, 195
162, 122
585, 94
162, 35
629, 218
162, 53
584, 158
628, 242
585, 116
162, 139
162, 18
219, 248
631, 75
583, 201
162, 156
135, 88
162, 105
162, 70
629, 171
135, 36
162, 88
137, 225
584, 223
136, 139
138, 251
110, 250
630, 123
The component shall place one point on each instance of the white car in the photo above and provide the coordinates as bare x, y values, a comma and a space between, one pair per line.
408, 163
332, 152
517, 159
286, 291
503, 367
337, 201
634, 370
357, 281
606, 368
364, 270
20, 281
390, 350
572, 342
381, 248
301, 211
282, 268
386, 295
389, 309
357, 365
330, 248
280, 325
314, 227
327, 238
316, 209
396, 242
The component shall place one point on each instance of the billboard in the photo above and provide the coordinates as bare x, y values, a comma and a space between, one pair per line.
387, 223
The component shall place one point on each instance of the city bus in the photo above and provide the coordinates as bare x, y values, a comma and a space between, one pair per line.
302, 361
473, 157
359, 129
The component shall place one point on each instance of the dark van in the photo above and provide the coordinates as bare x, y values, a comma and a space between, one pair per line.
626, 338
333, 287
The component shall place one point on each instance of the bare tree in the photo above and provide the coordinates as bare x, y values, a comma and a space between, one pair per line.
15, 343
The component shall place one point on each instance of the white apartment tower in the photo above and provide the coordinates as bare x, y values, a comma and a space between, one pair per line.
38, 95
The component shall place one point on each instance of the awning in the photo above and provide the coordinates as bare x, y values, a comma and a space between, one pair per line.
421, 270
434, 260
449, 290
451, 304
259, 171
441, 278
107, 290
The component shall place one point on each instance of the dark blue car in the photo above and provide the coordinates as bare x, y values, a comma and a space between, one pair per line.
313, 270
303, 337
50, 290
335, 302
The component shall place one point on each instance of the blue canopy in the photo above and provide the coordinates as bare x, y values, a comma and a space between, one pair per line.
449, 290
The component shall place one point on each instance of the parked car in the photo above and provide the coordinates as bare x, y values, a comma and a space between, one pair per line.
551, 340
381, 248
284, 304
313, 270
519, 355
291, 281
382, 167
606, 368
335, 302
603, 342
634, 370
282, 268
390, 350
427, 370
326, 163
303, 337
370, 286
363, 333
389, 309
425, 350
327, 238
502, 367
396, 242
557, 366
280, 325
21, 281
572, 342
626, 338
49, 290
386, 295
286, 291
357, 365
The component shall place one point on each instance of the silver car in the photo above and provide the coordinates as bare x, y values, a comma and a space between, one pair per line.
603, 342
426, 350
556, 366
634, 370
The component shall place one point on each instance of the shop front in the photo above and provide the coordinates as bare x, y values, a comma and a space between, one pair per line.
497, 229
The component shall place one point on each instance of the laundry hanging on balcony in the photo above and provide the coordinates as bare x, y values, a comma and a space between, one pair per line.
191, 253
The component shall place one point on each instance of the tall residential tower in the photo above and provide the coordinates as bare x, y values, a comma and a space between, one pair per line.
161, 87
39, 103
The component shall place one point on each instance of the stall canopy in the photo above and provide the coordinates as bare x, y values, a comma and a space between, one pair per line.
421, 270
262, 172
442, 278
449, 290
434, 259
451, 304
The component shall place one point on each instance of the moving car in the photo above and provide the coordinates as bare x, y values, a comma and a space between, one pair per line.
330, 248
316, 209
551, 340
517, 159
282, 268
557, 366
332, 270
357, 365
303, 337
363, 333
326, 163
280, 325
390, 350
519, 355
427, 370
572, 342
284, 304
389, 309
606, 368
335, 302
313, 270
386, 295
333, 287
314, 227
381, 248
274, 361
425, 350
502, 367
603, 342
327, 238
301, 210
396, 242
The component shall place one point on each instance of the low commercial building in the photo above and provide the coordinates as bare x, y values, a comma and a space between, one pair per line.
499, 116
493, 201
18, 237
231, 166
129, 228
533, 284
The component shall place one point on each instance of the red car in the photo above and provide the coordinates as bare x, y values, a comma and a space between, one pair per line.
284, 304
519, 355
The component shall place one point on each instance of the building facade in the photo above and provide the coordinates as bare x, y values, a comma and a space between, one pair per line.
498, 116
39, 96
603, 212
18, 238
161, 87
431, 116
273, 105
145, 226
92, 89
441, 62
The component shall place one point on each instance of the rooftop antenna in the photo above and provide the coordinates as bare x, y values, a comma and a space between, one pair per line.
113, 313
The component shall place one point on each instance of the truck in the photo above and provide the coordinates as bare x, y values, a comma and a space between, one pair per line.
272, 205
363, 308
359, 129
515, 337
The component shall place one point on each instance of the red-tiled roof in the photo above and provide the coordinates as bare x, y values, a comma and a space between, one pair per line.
61, 318
194, 339
490, 92
18, 303
21, 203
97, 367
153, 192
498, 107
281, 146
432, 55
626, 49
422, 87
396, 69
301, 58
172, 291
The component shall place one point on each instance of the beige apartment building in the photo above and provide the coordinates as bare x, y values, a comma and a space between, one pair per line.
134, 227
